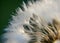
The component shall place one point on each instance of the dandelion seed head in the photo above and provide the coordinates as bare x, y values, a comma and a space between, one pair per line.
39, 22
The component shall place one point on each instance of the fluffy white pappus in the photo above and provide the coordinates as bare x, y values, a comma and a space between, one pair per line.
47, 10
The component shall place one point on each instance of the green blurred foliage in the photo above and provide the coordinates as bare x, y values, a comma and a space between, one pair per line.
6, 9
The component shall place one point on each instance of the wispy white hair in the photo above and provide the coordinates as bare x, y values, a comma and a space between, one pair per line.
42, 11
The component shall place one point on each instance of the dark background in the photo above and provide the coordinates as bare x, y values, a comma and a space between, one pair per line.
6, 9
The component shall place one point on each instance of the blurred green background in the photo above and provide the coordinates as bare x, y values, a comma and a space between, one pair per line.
6, 9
